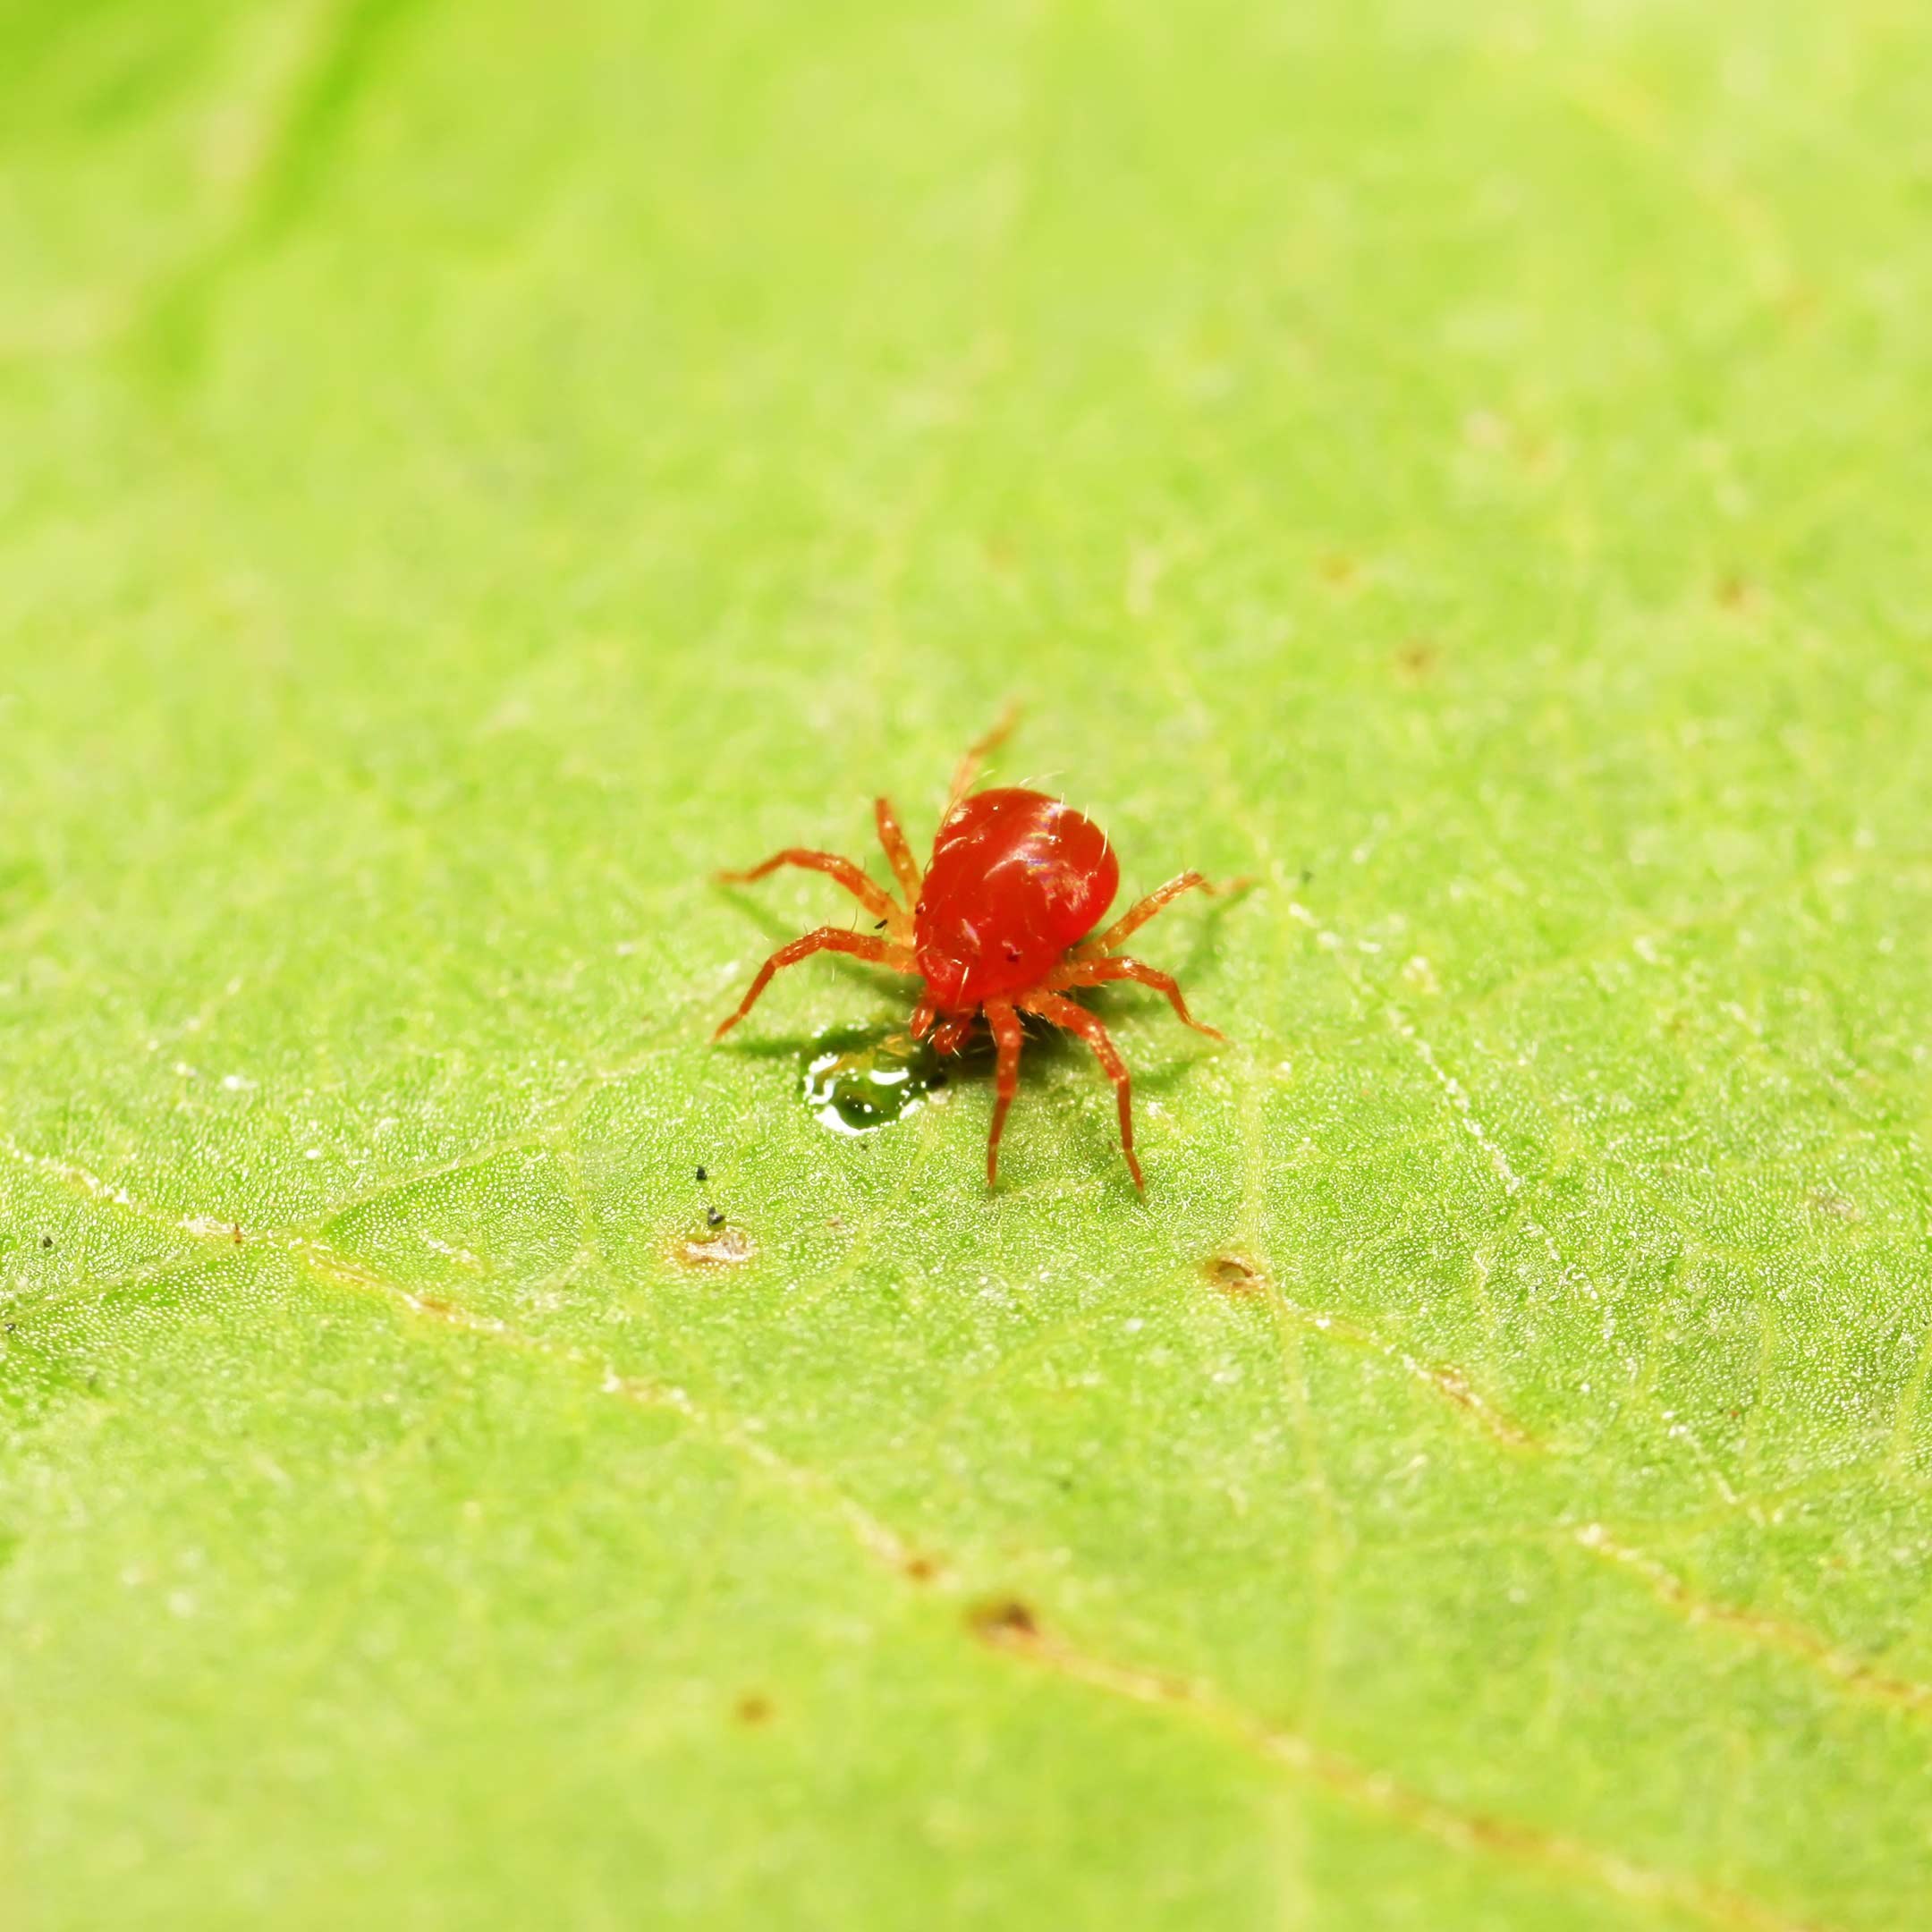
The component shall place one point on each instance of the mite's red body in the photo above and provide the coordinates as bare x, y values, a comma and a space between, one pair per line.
999, 924
1016, 878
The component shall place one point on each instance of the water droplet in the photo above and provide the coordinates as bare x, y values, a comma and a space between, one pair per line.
856, 1083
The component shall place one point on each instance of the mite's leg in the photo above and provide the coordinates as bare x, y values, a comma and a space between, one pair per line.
1075, 1019
977, 753
952, 1035
1137, 916
826, 939
1006, 1036
873, 897
898, 854
1098, 972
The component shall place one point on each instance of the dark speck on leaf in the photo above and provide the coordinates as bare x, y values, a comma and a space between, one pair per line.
1004, 1620
47, 1240
878, 925
753, 1709
713, 1218
701, 1175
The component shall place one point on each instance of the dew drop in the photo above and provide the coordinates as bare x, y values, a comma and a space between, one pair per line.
857, 1084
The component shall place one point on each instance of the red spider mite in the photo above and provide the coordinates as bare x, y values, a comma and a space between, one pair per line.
1001, 923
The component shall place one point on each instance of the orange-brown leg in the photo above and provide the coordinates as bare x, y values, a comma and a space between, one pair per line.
1007, 1037
1137, 916
1064, 1012
826, 939
898, 854
1098, 972
873, 897
977, 753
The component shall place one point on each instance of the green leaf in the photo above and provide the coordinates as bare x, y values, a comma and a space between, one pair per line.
469, 473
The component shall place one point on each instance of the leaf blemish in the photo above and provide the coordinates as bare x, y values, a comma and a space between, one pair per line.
1417, 661
753, 1708
1234, 1276
722, 1246
1005, 1620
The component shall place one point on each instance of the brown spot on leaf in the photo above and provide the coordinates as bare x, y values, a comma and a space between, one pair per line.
723, 1247
1003, 1620
753, 1708
921, 1569
1417, 661
1340, 571
1235, 1275
1452, 1383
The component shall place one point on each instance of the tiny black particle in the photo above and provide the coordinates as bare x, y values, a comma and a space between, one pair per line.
701, 1174
713, 1218
878, 925
47, 1240
10, 1328
938, 1080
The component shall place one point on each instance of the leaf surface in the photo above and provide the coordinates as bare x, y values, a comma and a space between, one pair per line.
472, 473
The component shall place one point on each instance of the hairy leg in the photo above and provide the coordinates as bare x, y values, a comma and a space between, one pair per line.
874, 898
898, 854
1137, 916
1006, 1036
1098, 972
1064, 1012
826, 939
977, 753
952, 1035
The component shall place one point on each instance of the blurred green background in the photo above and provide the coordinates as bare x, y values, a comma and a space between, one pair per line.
467, 473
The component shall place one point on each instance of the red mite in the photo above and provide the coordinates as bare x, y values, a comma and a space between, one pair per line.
1001, 923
